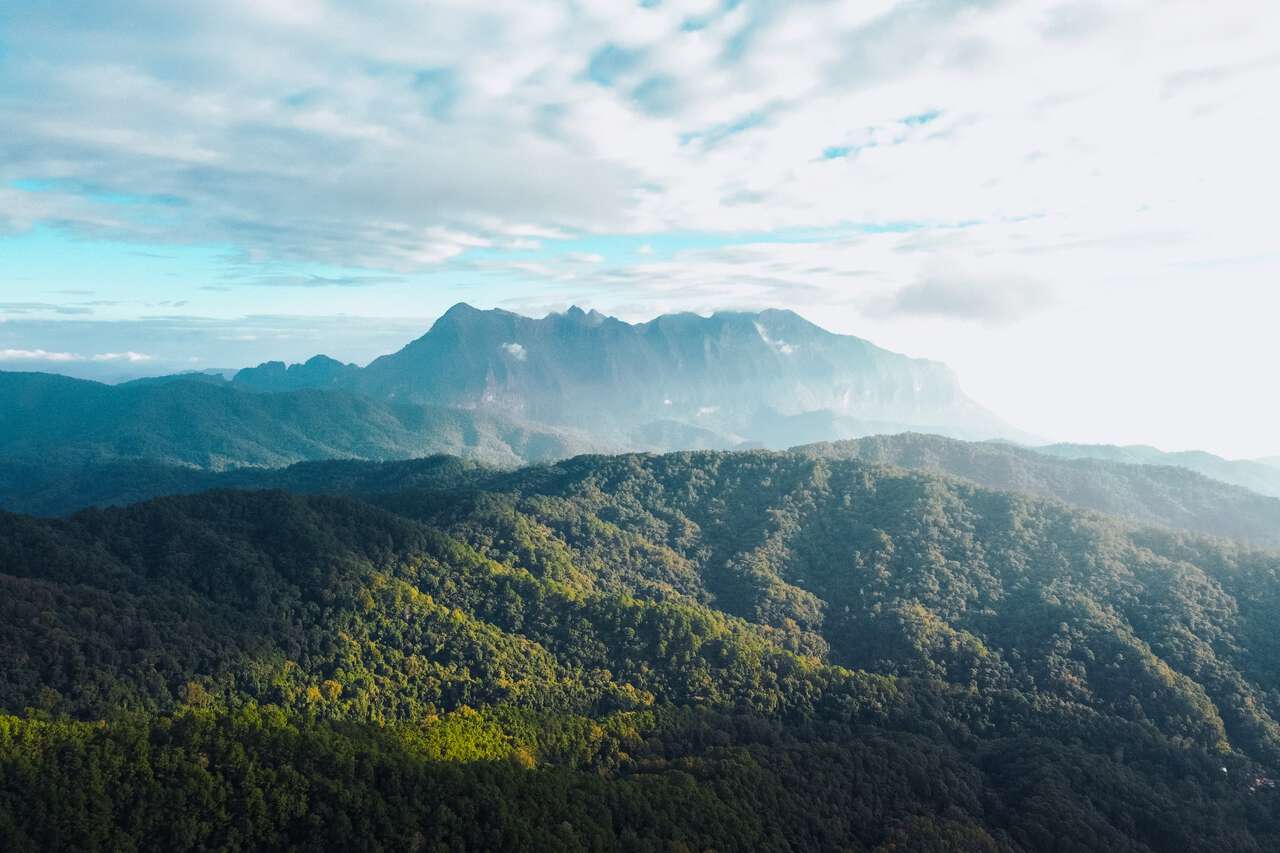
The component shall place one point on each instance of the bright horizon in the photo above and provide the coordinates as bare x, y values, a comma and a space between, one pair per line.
1067, 203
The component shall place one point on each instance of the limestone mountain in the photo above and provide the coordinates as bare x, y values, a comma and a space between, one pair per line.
770, 377
316, 372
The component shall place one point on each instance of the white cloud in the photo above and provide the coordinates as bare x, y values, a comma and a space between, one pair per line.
36, 355
70, 357
781, 347
516, 351
173, 341
950, 292
402, 140
130, 356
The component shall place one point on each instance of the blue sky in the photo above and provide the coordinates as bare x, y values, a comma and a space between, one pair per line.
1067, 201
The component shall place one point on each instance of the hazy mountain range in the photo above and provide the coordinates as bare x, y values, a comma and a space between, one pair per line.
507, 390
766, 377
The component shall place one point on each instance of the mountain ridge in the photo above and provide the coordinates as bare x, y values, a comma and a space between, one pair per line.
1140, 495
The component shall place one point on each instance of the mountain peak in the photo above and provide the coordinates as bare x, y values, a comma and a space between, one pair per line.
580, 317
319, 371
461, 309
464, 319
460, 312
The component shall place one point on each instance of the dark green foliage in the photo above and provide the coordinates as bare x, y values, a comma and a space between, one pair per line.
746, 651
259, 779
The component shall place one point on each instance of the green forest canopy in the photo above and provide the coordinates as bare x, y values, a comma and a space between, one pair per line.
693, 651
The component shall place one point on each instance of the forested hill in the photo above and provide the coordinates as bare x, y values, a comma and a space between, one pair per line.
1149, 493
747, 651
1159, 495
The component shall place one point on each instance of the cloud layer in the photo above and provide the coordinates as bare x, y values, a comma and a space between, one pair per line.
403, 136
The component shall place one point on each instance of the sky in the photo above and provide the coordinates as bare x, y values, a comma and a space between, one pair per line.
1073, 204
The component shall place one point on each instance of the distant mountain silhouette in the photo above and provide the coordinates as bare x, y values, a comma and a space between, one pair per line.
317, 372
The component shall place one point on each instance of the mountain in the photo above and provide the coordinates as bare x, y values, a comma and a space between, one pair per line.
54, 419
731, 651
1256, 475
317, 372
506, 389
1274, 461
769, 377
1143, 494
